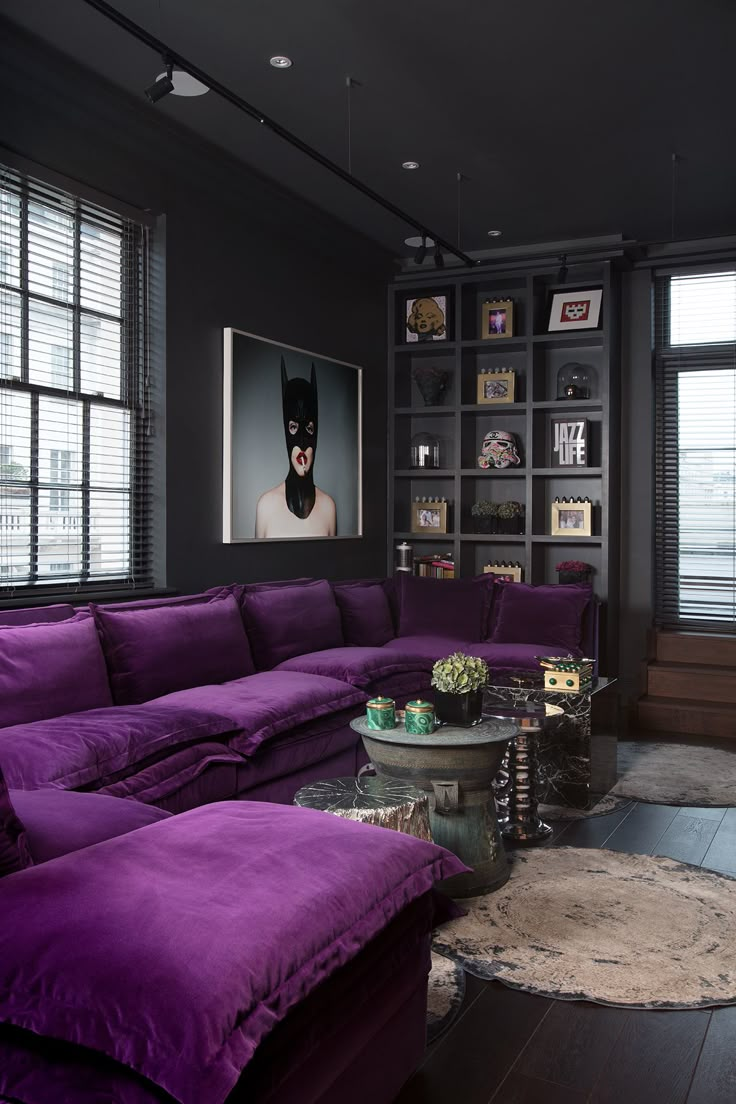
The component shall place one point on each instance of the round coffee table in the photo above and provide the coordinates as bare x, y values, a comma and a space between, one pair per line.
385, 802
456, 768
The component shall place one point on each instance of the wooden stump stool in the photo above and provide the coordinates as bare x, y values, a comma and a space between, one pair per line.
386, 802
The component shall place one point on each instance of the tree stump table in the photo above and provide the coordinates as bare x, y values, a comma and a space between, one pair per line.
385, 802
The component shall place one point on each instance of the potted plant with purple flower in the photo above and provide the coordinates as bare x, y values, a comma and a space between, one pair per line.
574, 571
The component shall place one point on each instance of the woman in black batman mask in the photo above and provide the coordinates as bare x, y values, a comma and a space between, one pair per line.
296, 507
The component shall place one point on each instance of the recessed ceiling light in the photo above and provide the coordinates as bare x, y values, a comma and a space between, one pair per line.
495, 233
417, 240
279, 61
184, 84
410, 164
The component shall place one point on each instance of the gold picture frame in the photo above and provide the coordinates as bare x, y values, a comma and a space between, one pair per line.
510, 573
496, 319
572, 519
429, 517
496, 388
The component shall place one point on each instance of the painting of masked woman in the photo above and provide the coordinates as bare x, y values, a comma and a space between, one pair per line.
292, 443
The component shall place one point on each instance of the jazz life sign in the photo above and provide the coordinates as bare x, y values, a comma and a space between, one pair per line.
569, 442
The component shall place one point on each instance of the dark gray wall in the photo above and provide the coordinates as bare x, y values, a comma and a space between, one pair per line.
239, 252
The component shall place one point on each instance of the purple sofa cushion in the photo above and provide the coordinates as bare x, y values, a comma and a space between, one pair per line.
358, 666
269, 703
235, 589
365, 613
36, 616
50, 669
429, 646
14, 851
553, 613
287, 621
179, 945
444, 607
58, 822
513, 656
151, 652
84, 749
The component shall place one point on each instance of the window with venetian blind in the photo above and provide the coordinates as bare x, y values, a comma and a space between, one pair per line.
74, 468
696, 450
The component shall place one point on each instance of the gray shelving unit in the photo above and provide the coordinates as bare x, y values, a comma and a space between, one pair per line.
461, 423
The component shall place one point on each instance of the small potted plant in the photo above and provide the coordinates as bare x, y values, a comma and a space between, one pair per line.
458, 681
484, 515
510, 517
573, 571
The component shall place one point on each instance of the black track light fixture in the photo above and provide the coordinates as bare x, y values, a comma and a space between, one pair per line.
439, 260
562, 274
421, 252
162, 85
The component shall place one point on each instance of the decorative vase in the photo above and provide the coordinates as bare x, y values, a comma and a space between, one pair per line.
483, 524
461, 710
573, 576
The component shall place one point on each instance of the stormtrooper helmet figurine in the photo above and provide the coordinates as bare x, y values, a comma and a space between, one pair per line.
498, 450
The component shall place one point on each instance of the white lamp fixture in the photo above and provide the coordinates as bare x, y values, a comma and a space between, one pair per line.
495, 233
280, 61
410, 164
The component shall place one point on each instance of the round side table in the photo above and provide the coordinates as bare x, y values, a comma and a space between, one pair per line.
522, 822
384, 802
456, 768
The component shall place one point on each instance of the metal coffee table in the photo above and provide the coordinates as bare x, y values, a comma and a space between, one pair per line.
456, 767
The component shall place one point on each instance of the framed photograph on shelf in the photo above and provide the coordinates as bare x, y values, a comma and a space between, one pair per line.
572, 519
426, 318
496, 387
569, 442
509, 573
429, 517
575, 309
496, 318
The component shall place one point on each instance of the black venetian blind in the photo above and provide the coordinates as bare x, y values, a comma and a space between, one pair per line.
695, 316
74, 465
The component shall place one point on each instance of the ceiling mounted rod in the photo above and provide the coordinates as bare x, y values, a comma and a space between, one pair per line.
214, 85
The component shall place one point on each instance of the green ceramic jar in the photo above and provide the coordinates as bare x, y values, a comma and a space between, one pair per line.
419, 718
380, 713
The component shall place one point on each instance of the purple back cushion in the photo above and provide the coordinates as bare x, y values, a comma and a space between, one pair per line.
155, 651
14, 852
548, 614
289, 621
455, 608
37, 616
365, 613
51, 669
60, 821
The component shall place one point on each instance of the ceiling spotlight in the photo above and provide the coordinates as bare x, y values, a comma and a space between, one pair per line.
280, 61
416, 241
421, 252
439, 260
162, 85
185, 84
495, 233
410, 164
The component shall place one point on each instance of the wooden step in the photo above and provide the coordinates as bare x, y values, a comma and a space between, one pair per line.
685, 717
710, 648
696, 682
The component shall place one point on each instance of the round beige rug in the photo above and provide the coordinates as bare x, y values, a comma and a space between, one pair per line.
604, 926
445, 994
676, 774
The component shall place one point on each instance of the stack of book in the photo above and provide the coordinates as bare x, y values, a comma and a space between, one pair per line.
436, 567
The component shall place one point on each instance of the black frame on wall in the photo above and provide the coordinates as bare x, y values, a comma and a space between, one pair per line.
460, 423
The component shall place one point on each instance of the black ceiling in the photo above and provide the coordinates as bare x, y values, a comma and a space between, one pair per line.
563, 115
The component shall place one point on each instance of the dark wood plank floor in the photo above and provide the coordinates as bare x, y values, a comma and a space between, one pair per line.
508, 1047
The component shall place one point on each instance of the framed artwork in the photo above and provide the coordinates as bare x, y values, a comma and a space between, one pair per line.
496, 318
292, 445
496, 387
575, 309
509, 573
429, 517
569, 442
426, 318
572, 519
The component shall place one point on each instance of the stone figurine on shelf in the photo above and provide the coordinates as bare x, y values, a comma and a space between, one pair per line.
498, 450
431, 383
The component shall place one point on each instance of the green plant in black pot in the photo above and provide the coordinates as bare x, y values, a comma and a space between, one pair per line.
458, 681
484, 515
511, 517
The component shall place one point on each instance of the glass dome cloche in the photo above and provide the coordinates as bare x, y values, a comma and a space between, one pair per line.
425, 451
576, 381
